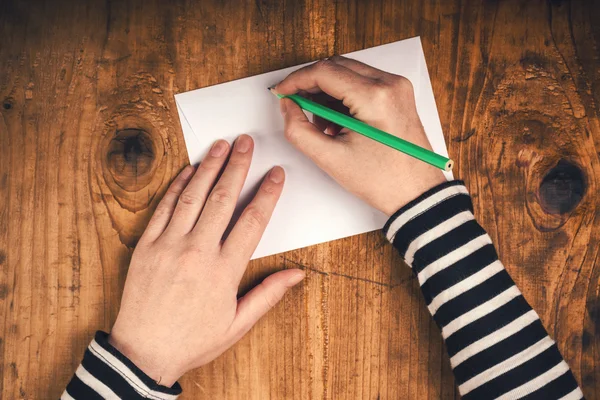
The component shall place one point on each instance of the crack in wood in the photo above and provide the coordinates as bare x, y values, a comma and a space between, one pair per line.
351, 277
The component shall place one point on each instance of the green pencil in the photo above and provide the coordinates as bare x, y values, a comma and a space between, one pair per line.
378, 135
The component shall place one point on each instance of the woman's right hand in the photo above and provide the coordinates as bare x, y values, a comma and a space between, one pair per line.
385, 178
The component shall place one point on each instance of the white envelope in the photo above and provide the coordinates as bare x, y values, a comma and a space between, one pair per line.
313, 208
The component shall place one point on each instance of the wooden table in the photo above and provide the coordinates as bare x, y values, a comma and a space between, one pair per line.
90, 138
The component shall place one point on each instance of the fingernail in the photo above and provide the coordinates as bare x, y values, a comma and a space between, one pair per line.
187, 172
296, 278
242, 144
276, 175
282, 106
218, 149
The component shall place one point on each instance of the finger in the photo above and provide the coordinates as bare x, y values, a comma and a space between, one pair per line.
162, 215
333, 79
221, 202
261, 299
307, 138
327, 127
248, 230
359, 67
320, 123
194, 196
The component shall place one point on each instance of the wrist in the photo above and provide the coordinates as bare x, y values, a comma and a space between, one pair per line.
429, 177
144, 356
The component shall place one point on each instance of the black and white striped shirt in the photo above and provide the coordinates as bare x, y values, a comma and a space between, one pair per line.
497, 344
105, 373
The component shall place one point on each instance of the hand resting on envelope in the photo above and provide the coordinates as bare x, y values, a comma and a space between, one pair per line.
180, 308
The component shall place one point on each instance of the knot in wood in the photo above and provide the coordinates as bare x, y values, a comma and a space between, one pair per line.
130, 157
8, 103
562, 188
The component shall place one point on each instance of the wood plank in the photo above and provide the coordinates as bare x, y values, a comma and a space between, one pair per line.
89, 139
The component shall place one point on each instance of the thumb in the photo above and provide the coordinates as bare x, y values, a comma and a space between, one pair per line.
258, 301
306, 137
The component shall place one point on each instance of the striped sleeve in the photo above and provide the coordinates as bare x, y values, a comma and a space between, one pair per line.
497, 344
105, 373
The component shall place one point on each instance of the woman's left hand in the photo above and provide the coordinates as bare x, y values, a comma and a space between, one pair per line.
180, 308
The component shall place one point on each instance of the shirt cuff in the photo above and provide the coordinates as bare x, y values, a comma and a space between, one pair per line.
105, 371
405, 229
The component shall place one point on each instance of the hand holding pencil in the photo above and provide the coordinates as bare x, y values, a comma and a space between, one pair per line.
382, 176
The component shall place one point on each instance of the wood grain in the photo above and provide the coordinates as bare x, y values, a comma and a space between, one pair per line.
89, 139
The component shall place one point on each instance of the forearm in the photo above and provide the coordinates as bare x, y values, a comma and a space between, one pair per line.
497, 344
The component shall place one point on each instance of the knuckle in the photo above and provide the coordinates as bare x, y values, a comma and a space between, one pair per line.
383, 94
220, 195
161, 211
254, 218
402, 84
268, 188
323, 65
171, 192
194, 250
290, 132
188, 198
